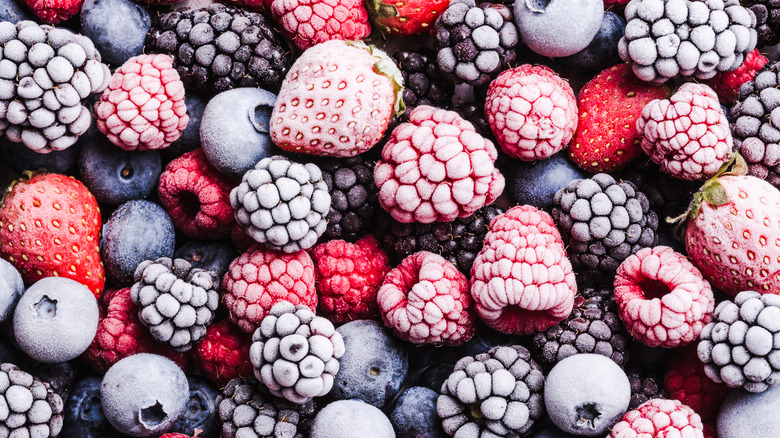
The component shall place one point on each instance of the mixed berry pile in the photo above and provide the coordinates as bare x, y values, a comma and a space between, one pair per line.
382, 218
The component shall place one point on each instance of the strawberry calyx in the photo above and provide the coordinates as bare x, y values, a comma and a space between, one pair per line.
387, 67
26, 176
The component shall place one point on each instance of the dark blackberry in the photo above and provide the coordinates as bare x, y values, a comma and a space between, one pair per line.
475, 42
28, 406
422, 83
644, 386
353, 197
474, 113
459, 241
603, 222
220, 47
668, 196
593, 326
767, 20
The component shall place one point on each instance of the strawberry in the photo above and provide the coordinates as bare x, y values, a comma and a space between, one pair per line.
54, 11
337, 100
733, 232
609, 106
405, 17
50, 226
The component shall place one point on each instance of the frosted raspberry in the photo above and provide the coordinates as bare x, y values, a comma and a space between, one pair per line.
143, 107
425, 300
310, 22
522, 282
121, 334
348, 276
260, 278
437, 168
659, 418
197, 197
727, 84
532, 111
686, 381
687, 135
662, 298
224, 353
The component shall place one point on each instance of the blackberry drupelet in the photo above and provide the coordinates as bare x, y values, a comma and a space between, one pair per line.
353, 197
474, 113
594, 326
644, 386
767, 20
30, 408
603, 221
668, 196
459, 241
422, 83
220, 47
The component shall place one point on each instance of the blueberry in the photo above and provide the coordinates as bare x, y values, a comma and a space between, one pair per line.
535, 183
11, 289
13, 11
117, 27
208, 255
602, 52
61, 376
234, 130
558, 27
373, 366
114, 175
56, 319
137, 230
414, 414
144, 394
746, 414
201, 410
190, 137
83, 412
9, 352
20, 158
351, 419
436, 374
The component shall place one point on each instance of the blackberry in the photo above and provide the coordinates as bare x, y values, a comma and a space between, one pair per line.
497, 394
220, 47
246, 412
668, 196
474, 113
353, 197
282, 204
46, 74
475, 42
603, 221
176, 301
459, 241
669, 38
422, 83
28, 406
593, 326
295, 353
767, 14
644, 386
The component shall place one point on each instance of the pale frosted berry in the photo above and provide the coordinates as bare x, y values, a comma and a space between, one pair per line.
659, 418
310, 22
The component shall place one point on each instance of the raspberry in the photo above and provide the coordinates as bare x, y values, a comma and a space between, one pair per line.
522, 282
120, 334
260, 278
143, 107
727, 84
425, 300
685, 380
659, 418
223, 354
532, 112
348, 276
662, 298
687, 135
197, 197
310, 22
436, 168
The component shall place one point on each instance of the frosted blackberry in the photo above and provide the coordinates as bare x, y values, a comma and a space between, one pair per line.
220, 47
767, 14
176, 301
594, 326
474, 113
28, 406
669, 38
738, 347
295, 353
458, 241
246, 412
473, 42
644, 386
46, 74
353, 196
668, 196
282, 204
493, 394
422, 83
603, 221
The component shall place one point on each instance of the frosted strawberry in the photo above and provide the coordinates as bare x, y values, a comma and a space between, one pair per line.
337, 100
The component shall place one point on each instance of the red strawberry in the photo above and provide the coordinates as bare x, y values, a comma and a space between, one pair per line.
609, 106
727, 84
50, 226
54, 11
405, 17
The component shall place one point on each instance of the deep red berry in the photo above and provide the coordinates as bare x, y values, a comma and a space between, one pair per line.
727, 84
54, 11
224, 353
685, 380
405, 17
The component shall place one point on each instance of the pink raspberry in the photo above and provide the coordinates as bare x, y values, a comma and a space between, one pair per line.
522, 282
197, 197
310, 22
143, 107
425, 300
727, 84
532, 112
260, 278
659, 418
348, 276
688, 134
662, 298
436, 168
